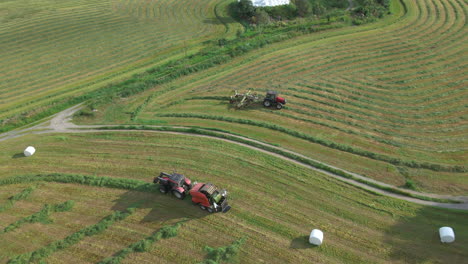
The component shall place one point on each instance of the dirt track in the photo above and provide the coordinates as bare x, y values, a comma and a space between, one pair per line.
60, 123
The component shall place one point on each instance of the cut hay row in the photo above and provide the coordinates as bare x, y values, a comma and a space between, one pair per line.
42, 253
352, 219
57, 49
364, 149
143, 245
43, 216
397, 90
24, 194
378, 135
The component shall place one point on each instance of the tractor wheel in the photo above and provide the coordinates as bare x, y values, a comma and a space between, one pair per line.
202, 207
279, 106
210, 210
162, 188
178, 194
266, 103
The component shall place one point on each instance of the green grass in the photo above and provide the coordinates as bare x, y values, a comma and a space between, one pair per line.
143, 245
391, 93
116, 173
392, 89
42, 253
40, 217
54, 51
24, 194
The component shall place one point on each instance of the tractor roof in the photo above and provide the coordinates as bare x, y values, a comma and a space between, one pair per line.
272, 92
178, 178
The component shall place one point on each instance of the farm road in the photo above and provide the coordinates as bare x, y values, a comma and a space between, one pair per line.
60, 123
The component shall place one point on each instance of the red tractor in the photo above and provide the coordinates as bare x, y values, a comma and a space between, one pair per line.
207, 196
272, 99
176, 183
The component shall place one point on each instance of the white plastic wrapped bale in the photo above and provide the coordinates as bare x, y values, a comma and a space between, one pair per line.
316, 237
29, 151
446, 234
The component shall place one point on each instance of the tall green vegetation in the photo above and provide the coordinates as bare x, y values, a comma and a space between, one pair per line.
17, 197
366, 11
42, 216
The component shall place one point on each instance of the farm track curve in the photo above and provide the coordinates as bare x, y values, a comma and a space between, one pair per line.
61, 123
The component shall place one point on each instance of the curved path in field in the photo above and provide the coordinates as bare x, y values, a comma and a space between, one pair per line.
60, 123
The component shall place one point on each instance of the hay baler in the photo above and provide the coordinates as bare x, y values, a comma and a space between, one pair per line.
206, 195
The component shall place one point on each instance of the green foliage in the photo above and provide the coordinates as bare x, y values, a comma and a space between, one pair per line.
42, 216
144, 244
281, 12
86, 112
223, 254
42, 253
245, 9
368, 10
410, 184
19, 196
261, 17
303, 7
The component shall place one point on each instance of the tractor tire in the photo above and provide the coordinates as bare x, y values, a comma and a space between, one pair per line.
178, 194
162, 188
266, 103
279, 106
202, 207
210, 210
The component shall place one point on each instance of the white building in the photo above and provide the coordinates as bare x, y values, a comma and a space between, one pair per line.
270, 2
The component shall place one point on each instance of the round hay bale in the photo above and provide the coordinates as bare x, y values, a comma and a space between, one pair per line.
316, 237
446, 234
29, 151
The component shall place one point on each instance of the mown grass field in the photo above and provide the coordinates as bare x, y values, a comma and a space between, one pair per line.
54, 50
275, 205
387, 101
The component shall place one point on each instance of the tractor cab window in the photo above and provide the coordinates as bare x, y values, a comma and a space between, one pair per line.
271, 95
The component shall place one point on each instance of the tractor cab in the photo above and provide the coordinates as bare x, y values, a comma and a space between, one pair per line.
176, 183
272, 99
271, 95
